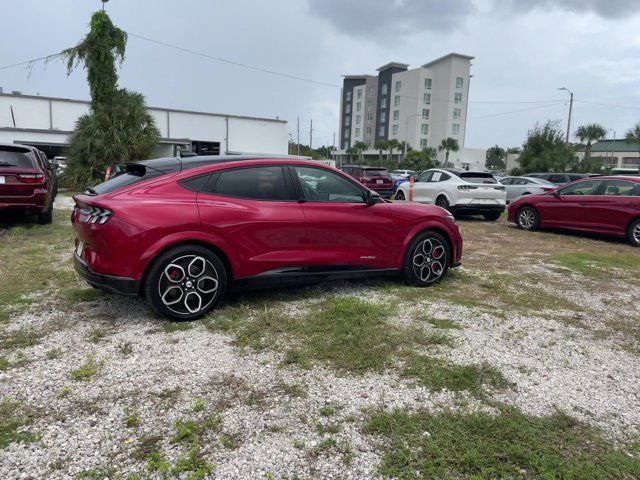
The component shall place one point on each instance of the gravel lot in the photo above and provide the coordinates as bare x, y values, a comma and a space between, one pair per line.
565, 336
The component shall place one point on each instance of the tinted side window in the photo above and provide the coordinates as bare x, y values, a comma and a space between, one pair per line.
622, 188
319, 185
195, 184
507, 181
583, 188
258, 183
425, 177
557, 178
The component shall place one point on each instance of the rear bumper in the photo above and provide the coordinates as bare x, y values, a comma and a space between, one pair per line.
31, 205
478, 209
119, 285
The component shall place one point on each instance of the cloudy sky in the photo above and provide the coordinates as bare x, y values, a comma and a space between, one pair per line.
524, 49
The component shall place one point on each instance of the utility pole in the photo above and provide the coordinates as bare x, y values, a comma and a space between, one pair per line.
570, 111
298, 127
333, 147
613, 147
311, 135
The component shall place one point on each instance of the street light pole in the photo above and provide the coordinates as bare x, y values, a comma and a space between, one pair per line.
570, 111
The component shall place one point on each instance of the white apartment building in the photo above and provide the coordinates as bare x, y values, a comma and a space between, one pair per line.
421, 106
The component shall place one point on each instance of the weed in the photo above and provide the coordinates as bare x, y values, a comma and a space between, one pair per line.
20, 339
443, 323
126, 348
171, 327
275, 428
97, 334
191, 430
291, 390
77, 295
54, 353
438, 375
323, 429
12, 425
131, 417
64, 391
327, 411
230, 442
507, 445
198, 406
597, 264
88, 369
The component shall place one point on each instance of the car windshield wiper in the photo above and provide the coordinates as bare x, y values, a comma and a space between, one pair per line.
7, 164
91, 190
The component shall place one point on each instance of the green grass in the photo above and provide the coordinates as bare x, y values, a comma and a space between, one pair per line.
438, 375
443, 323
192, 430
87, 370
507, 445
78, 295
20, 339
131, 417
597, 265
190, 466
327, 411
171, 327
54, 353
97, 334
12, 425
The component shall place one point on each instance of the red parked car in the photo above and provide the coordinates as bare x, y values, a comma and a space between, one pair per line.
181, 232
374, 178
27, 182
606, 205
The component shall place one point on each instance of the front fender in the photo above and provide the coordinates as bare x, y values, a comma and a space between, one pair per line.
442, 227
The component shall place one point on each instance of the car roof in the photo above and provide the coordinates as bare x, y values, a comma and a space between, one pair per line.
612, 177
363, 166
17, 146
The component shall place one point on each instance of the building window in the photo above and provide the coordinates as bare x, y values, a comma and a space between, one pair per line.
396, 115
358, 106
396, 100
427, 83
349, 96
345, 144
368, 143
348, 109
346, 133
459, 82
359, 93
368, 130
370, 118
425, 128
398, 85
456, 113
347, 121
458, 98
383, 103
385, 88
383, 117
394, 129
371, 91
455, 128
369, 103
424, 143
425, 113
357, 119
381, 131
357, 132
427, 98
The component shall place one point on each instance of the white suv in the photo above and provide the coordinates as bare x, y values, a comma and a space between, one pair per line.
459, 191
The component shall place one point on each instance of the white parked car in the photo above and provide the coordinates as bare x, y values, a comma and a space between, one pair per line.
519, 186
459, 191
402, 173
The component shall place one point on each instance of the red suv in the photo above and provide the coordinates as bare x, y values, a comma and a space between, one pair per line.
374, 178
27, 182
181, 232
605, 205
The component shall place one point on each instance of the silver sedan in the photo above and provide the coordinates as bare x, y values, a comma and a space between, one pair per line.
519, 186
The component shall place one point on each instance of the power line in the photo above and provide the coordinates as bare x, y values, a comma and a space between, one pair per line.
607, 104
32, 61
231, 62
517, 111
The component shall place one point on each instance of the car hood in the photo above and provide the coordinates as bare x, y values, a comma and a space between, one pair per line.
413, 210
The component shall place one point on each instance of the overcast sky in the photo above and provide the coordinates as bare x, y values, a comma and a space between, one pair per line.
523, 54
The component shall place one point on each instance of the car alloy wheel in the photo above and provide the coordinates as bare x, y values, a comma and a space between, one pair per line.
527, 219
428, 260
634, 233
442, 202
400, 195
188, 285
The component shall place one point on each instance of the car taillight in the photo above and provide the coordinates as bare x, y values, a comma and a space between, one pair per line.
364, 179
93, 214
31, 177
465, 188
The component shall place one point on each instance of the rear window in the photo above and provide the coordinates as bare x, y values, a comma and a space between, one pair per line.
124, 180
477, 177
15, 157
376, 172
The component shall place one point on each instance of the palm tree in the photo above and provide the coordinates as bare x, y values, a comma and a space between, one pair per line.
590, 133
351, 152
633, 135
392, 145
448, 145
360, 147
380, 146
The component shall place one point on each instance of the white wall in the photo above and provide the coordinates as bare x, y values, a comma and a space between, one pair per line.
475, 158
45, 116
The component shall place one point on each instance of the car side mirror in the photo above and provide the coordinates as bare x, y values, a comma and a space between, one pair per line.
556, 193
372, 198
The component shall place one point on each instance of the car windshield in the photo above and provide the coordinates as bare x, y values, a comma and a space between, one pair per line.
15, 157
477, 177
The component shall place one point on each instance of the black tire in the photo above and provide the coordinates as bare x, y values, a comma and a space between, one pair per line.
527, 218
492, 216
420, 259
442, 201
46, 218
400, 195
633, 233
174, 271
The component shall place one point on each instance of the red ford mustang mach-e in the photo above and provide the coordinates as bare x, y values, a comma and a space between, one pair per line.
181, 232
605, 205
